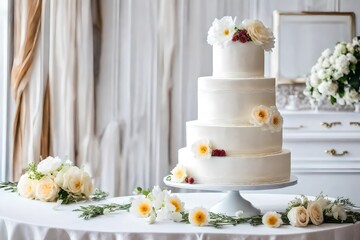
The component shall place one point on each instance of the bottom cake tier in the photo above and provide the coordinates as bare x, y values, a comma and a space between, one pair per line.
245, 170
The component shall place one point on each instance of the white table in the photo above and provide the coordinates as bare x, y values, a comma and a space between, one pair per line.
21, 218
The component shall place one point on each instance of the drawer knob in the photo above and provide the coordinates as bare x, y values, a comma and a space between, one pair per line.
355, 124
333, 152
329, 125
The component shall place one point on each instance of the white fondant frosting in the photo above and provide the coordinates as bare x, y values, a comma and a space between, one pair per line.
254, 155
249, 170
238, 60
235, 140
230, 101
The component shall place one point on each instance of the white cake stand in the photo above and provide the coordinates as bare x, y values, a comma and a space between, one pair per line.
233, 201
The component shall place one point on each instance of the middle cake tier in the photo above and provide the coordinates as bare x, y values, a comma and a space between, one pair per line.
231, 100
235, 140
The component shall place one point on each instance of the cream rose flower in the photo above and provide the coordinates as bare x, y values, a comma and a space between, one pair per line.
59, 179
298, 217
87, 187
26, 187
76, 181
46, 190
178, 174
272, 219
259, 34
49, 164
315, 213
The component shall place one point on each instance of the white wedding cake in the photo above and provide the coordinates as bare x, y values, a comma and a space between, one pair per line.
237, 138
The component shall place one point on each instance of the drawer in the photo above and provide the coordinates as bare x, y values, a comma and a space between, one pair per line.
321, 121
334, 150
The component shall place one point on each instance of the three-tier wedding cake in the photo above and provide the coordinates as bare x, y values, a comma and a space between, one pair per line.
237, 138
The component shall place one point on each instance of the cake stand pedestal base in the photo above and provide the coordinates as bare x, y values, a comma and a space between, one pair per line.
233, 202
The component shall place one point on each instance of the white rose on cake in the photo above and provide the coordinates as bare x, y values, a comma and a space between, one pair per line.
259, 34
221, 31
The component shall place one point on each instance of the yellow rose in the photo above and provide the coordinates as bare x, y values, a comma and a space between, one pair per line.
46, 190
26, 187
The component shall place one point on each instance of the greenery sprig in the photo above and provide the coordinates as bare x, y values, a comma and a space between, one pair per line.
92, 211
9, 186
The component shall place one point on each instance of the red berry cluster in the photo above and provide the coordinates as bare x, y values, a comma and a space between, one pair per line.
218, 153
189, 180
241, 35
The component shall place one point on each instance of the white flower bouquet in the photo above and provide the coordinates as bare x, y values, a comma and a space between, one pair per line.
336, 75
225, 30
55, 180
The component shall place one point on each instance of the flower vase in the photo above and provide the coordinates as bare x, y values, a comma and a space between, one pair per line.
315, 104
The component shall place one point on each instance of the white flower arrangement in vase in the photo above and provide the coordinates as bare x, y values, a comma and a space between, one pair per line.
336, 75
225, 30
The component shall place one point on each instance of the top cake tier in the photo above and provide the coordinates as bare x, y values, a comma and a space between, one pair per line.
238, 60
238, 49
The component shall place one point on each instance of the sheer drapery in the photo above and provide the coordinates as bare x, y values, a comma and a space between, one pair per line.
71, 81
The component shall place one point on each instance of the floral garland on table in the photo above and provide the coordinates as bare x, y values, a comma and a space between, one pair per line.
225, 30
55, 180
336, 75
161, 204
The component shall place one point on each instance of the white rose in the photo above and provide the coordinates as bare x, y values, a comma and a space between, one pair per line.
351, 58
356, 41
314, 80
315, 213
332, 59
326, 53
328, 88
350, 48
87, 187
72, 180
298, 217
325, 63
259, 34
26, 187
337, 74
49, 165
338, 211
340, 48
322, 74
47, 190
59, 179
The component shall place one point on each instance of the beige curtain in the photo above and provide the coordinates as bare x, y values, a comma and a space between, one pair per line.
28, 112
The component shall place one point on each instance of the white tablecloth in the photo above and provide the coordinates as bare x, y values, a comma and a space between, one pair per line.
21, 218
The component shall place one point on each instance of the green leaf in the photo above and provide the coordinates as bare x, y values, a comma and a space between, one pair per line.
99, 195
9, 186
332, 99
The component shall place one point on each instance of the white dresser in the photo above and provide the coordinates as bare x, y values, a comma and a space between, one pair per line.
325, 153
